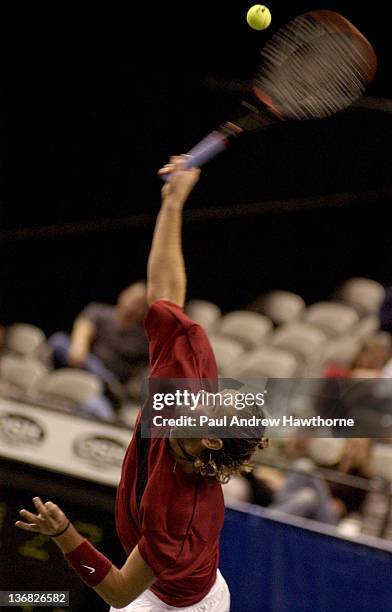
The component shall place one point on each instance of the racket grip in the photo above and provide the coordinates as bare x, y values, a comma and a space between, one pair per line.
206, 149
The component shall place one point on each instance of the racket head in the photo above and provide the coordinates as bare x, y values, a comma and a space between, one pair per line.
314, 66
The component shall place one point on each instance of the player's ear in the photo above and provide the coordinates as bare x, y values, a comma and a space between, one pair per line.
212, 443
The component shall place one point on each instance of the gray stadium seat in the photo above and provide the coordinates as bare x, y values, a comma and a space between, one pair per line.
71, 384
226, 351
366, 326
341, 351
249, 328
364, 294
266, 362
23, 373
382, 461
333, 318
326, 451
203, 312
302, 340
280, 306
24, 339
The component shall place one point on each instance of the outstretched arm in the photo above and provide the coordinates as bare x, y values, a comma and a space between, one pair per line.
117, 586
166, 277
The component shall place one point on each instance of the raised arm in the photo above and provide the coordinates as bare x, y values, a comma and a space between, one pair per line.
166, 277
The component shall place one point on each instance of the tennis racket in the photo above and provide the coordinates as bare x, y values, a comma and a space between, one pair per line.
314, 66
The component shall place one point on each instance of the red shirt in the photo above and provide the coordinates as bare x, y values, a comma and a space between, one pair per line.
175, 518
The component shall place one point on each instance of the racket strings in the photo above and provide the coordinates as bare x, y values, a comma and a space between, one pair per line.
311, 69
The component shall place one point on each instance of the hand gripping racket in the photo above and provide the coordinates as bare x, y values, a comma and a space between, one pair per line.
312, 67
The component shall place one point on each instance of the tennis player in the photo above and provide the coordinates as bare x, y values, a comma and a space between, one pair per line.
169, 507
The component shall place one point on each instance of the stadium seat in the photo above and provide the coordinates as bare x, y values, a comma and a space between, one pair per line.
71, 384
266, 362
341, 351
364, 294
280, 306
24, 374
128, 414
326, 451
334, 319
366, 326
382, 461
226, 351
300, 339
203, 312
24, 339
248, 328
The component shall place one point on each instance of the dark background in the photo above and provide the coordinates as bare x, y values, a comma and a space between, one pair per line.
94, 104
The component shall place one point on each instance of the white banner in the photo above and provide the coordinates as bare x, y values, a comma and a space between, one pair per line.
62, 442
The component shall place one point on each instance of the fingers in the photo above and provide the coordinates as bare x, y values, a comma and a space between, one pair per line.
42, 509
176, 163
29, 516
48, 517
27, 526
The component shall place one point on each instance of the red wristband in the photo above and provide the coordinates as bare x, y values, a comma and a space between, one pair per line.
91, 565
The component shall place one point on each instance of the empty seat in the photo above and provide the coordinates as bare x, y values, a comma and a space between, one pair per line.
364, 294
226, 350
24, 339
333, 318
301, 339
366, 326
265, 362
203, 312
341, 351
24, 374
128, 414
381, 464
249, 328
280, 306
72, 384
326, 451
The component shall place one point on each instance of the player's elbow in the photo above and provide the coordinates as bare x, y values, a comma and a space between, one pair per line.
117, 598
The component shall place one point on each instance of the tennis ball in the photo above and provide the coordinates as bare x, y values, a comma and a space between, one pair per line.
258, 17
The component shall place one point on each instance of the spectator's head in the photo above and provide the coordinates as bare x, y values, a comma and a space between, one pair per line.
132, 302
374, 352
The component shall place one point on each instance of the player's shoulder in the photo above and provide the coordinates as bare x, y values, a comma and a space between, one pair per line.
166, 311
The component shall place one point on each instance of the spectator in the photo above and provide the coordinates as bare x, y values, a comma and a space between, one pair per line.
366, 392
355, 461
300, 491
370, 360
108, 341
303, 492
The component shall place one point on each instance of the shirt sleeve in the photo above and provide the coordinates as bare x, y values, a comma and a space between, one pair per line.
92, 313
166, 553
159, 550
164, 323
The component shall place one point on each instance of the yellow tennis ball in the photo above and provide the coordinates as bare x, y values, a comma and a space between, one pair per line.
258, 17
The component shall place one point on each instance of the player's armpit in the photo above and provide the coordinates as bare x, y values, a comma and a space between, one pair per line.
122, 586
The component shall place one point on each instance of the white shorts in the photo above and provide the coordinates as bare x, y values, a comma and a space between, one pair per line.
216, 600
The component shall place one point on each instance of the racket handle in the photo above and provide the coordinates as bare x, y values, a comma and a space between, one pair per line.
206, 149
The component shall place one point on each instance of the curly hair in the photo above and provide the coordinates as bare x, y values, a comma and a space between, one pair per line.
234, 456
